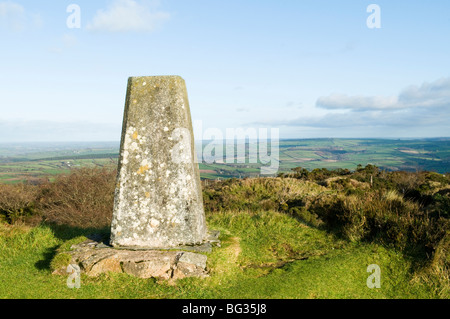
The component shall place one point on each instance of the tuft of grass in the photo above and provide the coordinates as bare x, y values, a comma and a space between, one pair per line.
60, 261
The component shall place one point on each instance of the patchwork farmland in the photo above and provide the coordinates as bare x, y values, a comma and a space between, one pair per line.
38, 161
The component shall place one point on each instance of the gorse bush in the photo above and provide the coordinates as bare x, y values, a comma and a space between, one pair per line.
84, 198
17, 202
257, 194
383, 216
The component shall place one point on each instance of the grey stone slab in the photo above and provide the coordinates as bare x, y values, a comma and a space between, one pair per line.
194, 259
163, 265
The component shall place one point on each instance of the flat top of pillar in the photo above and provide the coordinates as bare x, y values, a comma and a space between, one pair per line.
157, 77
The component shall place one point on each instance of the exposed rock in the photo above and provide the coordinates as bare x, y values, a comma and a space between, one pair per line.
95, 258
190, 265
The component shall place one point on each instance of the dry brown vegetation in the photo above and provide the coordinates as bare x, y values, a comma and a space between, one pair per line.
83, 198
17, 202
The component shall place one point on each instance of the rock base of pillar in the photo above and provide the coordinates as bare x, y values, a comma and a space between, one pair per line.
94, 258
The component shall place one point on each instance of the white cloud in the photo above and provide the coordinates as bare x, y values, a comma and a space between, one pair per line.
429, 95
66, 42
370, 119
13, 16
357, 103
69, 40
292, 104
128, 15
417, 110
10, 8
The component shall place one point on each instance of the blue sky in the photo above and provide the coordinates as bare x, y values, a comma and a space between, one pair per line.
310, 68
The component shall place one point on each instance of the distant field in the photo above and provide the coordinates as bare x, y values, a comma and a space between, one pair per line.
38, 161
34, 162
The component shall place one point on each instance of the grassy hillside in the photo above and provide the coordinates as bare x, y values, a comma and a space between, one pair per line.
302, 235
263, 255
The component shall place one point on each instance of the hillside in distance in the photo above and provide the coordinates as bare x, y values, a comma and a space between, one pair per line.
34, 161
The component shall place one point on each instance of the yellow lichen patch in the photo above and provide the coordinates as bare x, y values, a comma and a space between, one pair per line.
147, 194
143, 169
135, 135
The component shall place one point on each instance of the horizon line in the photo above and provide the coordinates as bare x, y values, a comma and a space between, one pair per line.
281, 139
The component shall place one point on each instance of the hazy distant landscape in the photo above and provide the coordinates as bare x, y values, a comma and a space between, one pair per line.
37, 161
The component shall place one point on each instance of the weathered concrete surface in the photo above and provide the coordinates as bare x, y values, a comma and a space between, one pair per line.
158, 200
163, 265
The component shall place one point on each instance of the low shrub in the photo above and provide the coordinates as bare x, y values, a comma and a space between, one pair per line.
384, 216
278, 194
18, 202
84, 198
306, 216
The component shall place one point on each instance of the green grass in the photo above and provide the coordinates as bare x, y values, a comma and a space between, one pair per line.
263, 255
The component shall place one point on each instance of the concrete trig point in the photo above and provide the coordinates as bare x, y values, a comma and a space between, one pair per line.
158, 224
158, 200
